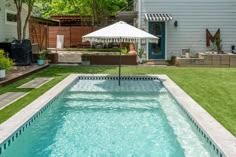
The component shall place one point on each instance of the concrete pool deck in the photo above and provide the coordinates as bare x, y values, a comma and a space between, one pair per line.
220, 137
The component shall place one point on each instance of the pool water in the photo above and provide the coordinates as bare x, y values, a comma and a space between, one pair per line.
97, 118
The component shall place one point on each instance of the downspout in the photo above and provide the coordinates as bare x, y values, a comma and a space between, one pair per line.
139, 13
139, 19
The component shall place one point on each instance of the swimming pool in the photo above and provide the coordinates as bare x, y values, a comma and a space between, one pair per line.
96, 117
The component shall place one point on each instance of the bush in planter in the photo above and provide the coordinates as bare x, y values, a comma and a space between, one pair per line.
5, 64
172, 60
140, 54
124, 51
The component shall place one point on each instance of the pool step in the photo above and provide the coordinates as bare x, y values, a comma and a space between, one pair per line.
113, 96
111, 105
118, 99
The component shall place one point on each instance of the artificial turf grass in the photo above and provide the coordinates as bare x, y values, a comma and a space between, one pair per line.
212, 88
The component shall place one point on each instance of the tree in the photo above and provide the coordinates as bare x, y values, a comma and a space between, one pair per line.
98, 9
19, 3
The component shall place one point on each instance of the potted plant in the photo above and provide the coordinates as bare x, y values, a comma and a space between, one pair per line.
46, 52
172, 60
140, 54
5, 64
42, 59
218, 44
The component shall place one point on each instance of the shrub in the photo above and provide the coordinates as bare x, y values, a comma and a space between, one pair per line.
124, 51
172, 60
140, 52
5, 62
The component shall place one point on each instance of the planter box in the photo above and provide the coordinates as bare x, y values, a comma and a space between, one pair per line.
209, 60
111, 59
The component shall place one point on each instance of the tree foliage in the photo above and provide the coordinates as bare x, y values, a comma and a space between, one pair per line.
98, 9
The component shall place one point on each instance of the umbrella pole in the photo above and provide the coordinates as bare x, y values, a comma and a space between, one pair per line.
119, 67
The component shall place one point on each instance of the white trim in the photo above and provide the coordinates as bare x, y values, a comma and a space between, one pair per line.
11, 12
147, 43
165, 40
147, 48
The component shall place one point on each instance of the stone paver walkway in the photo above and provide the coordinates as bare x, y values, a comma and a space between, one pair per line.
36, 83
9, 98
19, 72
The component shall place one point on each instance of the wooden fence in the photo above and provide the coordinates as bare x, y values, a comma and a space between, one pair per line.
46, 36
72, 35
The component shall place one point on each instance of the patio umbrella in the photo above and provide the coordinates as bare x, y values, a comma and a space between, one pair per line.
118, 33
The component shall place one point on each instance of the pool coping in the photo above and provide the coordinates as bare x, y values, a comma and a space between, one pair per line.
221, 137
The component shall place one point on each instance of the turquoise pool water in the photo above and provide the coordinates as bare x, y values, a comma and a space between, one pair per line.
98, 118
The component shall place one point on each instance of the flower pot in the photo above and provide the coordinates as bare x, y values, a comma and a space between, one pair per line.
2, 74
140, 60
40, 62
46, 62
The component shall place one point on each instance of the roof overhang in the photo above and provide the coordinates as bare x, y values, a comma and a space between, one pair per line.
158, 17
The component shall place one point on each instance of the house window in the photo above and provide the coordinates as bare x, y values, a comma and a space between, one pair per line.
10, 17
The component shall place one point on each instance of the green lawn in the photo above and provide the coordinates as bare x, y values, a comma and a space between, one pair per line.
213, 88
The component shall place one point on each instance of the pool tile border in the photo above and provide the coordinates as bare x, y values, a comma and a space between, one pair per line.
220, 139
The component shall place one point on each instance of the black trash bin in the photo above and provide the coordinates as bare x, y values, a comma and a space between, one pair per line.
22, 52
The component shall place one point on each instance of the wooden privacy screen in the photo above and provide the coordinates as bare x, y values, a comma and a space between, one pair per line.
72, 35
38, 34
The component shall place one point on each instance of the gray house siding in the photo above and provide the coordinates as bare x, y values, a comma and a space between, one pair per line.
9, 30
193, 18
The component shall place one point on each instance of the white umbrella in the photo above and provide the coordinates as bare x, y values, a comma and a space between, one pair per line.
117, 33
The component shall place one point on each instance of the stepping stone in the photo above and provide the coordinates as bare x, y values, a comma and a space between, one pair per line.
36, 83
10, 97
